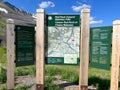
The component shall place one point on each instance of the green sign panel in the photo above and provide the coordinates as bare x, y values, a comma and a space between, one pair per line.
63, 39
25, 45
100, 47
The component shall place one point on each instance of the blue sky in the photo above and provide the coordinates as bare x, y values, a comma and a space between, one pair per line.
103, 12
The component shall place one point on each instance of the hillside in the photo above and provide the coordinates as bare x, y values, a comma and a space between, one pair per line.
2, 26
20, 17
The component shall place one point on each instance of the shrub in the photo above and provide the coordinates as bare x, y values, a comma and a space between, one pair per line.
3, 55
3, 87
3, 77
22, 87
25, 70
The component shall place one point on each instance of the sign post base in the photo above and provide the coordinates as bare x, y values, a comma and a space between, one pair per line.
84, 87
39, 87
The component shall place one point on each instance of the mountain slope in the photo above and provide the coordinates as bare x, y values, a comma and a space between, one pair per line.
21, 17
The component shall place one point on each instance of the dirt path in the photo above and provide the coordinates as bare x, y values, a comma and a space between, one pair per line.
30, 80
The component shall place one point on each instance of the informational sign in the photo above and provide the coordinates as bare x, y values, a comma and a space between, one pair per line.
63, 37
100, 47
25, 45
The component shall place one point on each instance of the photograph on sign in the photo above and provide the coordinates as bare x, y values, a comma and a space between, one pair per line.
63, 36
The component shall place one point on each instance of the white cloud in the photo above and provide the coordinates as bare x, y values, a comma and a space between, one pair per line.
3, 10
92, 21
96, 22
55, 13
80, 7
46, 4
91, 18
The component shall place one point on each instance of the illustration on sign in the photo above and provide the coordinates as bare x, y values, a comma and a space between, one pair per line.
25, 45
100, 47
63, 39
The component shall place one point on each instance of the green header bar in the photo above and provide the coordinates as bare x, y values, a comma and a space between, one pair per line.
63, 20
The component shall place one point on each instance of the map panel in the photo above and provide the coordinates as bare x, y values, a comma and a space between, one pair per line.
63, 39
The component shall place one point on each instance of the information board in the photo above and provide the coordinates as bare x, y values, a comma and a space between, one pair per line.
63, 39
100, 47
25, 45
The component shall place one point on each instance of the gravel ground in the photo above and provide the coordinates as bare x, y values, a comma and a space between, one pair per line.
30, 80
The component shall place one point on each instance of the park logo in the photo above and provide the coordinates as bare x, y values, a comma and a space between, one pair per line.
18, 28
49, 18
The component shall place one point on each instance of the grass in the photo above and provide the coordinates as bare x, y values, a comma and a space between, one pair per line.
22, 87
3, 87
2, 27
49, 85
25, 70
2, 23
66, 72
2, 75
2, 65
3, 55
97, 77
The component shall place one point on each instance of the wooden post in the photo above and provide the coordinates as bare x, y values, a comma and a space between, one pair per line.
84, 49
10, 54
115, 55
40, 50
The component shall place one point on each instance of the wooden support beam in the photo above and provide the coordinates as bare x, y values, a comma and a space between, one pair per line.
84, 49
10, 54
115, 55
40, 50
